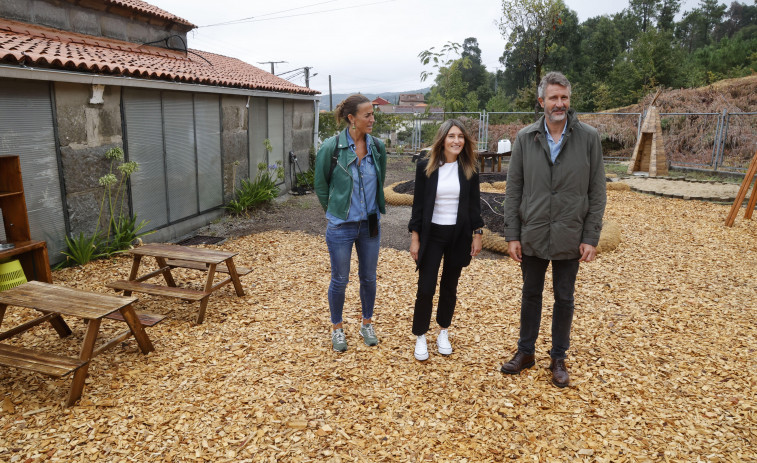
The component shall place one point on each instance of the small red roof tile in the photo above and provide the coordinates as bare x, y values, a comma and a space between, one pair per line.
34, 45
144, 7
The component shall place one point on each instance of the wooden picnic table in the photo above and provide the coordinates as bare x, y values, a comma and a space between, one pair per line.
484, 155
53, 301
169, 256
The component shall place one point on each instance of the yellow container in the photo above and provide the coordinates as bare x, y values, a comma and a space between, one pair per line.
11, 275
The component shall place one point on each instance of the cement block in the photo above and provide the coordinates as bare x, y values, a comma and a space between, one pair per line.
85, 21
49, 14
83, 211
83, 167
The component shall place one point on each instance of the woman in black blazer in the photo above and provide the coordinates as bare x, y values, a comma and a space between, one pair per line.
446, 222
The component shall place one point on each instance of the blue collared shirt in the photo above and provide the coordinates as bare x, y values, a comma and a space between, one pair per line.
554, 147
364, 186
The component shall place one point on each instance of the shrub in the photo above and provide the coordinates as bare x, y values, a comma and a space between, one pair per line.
262, 190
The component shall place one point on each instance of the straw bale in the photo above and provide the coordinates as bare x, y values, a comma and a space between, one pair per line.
661, 360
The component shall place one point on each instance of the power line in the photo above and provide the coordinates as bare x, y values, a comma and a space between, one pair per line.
235, 21
254, 19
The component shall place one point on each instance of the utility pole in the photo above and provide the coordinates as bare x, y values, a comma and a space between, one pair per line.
271, 63
331, 101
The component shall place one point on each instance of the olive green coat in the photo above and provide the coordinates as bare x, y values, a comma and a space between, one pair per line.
553, 208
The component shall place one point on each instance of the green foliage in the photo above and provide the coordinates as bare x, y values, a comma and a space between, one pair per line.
125, 230
259, 191
306, 179
327, 126
82, 249
120, 230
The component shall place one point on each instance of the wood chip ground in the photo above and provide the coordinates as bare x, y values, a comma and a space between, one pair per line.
662, 361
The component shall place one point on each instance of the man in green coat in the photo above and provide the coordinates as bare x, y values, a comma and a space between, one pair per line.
554, 203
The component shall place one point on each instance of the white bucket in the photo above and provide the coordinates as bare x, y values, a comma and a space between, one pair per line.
503, 146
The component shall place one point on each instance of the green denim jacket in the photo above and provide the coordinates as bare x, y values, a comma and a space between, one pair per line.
335, 195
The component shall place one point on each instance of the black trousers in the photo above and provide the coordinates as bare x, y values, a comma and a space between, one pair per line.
440, 244
563, 284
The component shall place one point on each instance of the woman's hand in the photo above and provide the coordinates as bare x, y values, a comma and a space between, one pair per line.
415, 246
478, 243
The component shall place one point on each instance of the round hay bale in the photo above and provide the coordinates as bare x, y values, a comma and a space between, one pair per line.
496, 187
610, 237
397, 199
500, 185
611, 175
618, 186
494, 242
608, 240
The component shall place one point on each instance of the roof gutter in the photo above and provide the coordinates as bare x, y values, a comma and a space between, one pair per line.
53, 75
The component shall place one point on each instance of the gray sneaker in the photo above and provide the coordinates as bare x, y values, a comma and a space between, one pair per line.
368, 334
338, 340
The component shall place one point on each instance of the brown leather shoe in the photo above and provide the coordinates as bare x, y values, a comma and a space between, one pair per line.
560, 376
518, 363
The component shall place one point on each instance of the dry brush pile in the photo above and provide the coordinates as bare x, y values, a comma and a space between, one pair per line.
662, 362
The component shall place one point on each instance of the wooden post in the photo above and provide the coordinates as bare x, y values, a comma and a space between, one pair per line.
750, 174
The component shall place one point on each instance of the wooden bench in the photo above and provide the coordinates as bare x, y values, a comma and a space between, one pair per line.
53, 301
41, 362
185, 294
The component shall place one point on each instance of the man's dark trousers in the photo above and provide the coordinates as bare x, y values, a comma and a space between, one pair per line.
564, 274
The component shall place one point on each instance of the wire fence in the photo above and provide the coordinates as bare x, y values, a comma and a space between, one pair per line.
723, 141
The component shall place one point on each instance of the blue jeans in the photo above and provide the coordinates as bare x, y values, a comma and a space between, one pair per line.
339, 239
564, 274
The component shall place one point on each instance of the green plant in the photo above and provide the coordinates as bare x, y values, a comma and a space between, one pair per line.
306, 179
121, 229
82, 249
263, 189
126, 230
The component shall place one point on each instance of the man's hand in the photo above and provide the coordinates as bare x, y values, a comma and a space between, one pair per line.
588, 252
476, 245
514, 251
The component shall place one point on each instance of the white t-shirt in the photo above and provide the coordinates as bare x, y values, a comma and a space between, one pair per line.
447, 195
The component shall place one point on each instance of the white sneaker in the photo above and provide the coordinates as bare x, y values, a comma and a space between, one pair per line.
421, 351
442, 342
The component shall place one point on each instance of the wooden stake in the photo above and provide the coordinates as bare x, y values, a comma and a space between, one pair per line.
750, 174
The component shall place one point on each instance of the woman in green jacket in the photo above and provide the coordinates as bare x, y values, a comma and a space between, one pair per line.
349, 181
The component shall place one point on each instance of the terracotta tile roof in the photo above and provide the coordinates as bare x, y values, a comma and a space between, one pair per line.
38, 46
144, 7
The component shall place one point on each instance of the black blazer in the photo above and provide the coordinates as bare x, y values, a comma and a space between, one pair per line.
468, 212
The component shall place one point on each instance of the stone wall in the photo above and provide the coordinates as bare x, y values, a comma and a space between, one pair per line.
234, 143
85, 133
130, 26
303, 120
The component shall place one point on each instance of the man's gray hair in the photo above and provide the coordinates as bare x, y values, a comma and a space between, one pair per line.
552, 78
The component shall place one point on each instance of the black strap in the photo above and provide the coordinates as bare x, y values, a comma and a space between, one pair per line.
335, 155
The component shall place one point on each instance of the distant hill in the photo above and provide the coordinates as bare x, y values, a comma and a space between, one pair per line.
391, 97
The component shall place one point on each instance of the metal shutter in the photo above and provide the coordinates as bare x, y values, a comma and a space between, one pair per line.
276, 130
144, 135
209, 171
26, 130
181, 162
258, 132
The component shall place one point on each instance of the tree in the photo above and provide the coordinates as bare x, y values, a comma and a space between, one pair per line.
667, 13
532, 24
644, 10
449, 91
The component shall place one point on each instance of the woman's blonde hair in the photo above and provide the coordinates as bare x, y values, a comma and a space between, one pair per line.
467, 158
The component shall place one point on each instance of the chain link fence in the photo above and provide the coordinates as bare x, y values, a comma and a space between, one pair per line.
709, 141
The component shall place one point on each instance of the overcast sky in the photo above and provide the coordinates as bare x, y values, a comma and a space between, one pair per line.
367, 46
